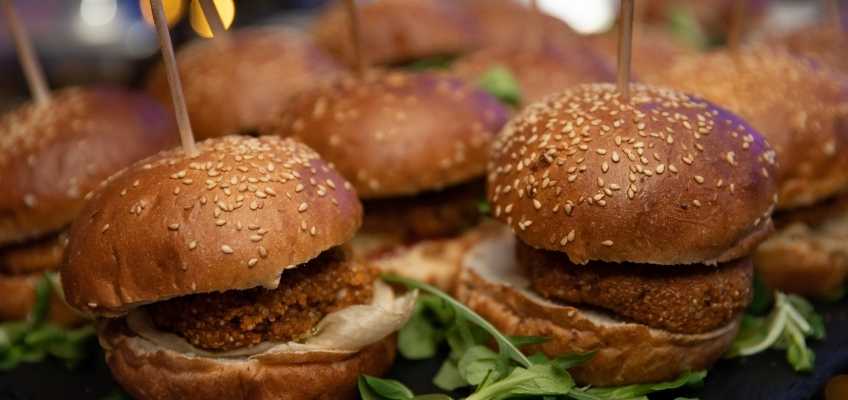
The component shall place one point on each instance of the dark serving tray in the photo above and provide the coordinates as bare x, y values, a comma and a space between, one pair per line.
764, 376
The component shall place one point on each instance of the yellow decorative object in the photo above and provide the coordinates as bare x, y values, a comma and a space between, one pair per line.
174, 11
226, 10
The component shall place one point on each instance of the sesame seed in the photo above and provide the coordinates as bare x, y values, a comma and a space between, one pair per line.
105, 228
699, 179
174, 227
537, 204
192, 245
226, 249
302, 207
252, 262
607, 243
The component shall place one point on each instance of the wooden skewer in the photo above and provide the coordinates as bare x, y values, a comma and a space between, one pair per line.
625, 45
213, 18
737, 25
29, 62
353, 26
183, 122
534, 5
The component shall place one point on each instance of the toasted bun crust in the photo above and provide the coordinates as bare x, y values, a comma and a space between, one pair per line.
19, 298
33, 257
653, 49
419, 131
541, 69
626, 353
801, 110
232, 217
823, 43
398, 30
51, 156
230, 84
508, 23
148, 372
806, 260
665, 179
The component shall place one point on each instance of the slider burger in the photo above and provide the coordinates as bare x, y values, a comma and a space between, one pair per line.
414, 146
508, 23
541, 66
227, 275
265, 66
630, 230
398, 31
802, 110
653, 48
50, 157
825, 43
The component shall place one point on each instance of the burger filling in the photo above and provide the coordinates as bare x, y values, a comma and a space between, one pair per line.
32, 257
688, 299
430, 215
240, 318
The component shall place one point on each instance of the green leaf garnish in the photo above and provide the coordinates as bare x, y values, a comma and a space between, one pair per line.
505, 346
499, 82
34, 339
536, 380
791, 321
639, 390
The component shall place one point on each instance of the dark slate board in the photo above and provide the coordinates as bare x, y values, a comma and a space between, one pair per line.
765, 376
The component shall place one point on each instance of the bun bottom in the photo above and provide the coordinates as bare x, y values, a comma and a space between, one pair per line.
19, 298
625, 352
147, 371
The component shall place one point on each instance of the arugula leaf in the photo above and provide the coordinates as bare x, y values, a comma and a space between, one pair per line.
536, 380
387, 388
34, 339
639, 390
791, 321
505, 346
480, 363
483, 207
499, 82
682, 23
448, 377
419, 339
762, 298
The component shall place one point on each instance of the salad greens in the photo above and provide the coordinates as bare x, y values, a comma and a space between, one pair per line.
34, 339
791, 321
500, 82
493, 375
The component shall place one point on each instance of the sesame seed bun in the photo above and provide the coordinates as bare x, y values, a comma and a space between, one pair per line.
823, 43
51, 156
801, 110
665, 179
395, 31
625, 352
231, 82
396, 133
509, 23
653, 49
541, 69
147, 371
234, 216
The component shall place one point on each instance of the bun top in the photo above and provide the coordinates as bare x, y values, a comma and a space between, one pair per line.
52, 155
824, 43
509, 23
234, 216
394, 31
663, 179
230, 83
801, 109
396, 133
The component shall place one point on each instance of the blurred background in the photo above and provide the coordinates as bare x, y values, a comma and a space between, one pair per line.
82, 41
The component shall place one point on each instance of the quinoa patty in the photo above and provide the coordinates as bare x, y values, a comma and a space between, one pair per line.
239, 318
687, 299
428, 215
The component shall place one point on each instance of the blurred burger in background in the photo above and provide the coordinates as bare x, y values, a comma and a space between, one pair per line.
51, 155
231, 82
802, 110
414, 146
